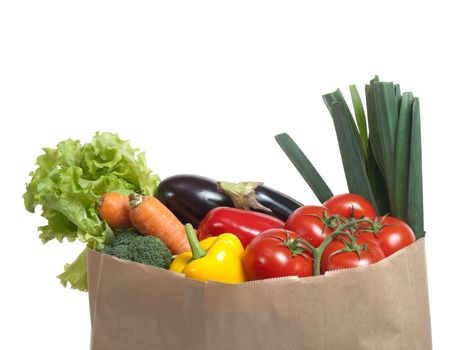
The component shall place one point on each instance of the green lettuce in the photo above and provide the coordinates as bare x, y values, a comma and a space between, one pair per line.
67, 184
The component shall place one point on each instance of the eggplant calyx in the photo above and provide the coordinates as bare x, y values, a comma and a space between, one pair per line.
243, 194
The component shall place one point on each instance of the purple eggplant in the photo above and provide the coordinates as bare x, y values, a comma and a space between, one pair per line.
191, 197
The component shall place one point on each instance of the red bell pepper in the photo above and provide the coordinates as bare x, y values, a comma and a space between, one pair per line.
245, 224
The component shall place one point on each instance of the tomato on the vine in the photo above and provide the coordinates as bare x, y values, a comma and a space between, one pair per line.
276, 253
332, 259
392, 234
349, 204
368, 237
308, 221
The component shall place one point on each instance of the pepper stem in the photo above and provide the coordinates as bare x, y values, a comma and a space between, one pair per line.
196, 249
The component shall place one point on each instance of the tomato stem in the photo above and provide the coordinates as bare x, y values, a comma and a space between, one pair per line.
292, 244
340, 230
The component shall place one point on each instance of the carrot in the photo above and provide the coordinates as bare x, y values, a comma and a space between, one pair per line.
150, 217
114, 208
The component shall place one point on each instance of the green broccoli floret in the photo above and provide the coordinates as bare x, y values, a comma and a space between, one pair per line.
118, 250
150, 250
125, 237
119, 247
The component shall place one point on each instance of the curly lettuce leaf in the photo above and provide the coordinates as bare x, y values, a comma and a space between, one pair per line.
67, 183
76, 273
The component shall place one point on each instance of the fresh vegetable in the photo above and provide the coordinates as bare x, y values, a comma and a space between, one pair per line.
390, 233
191, 197
304, 167
119, 246
150, 217
349, 205
277, 253
114, 209
255, 196
350, 241
67, 184
215, 258
414, 209
311, 222
244, 224
382, 159
338, 254
281, 205
148, 250
367, 235
352, 151
341, 228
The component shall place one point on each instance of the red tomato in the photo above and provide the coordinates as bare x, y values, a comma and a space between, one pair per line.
342, 204
394, 235
345, 260
304, 222
368, 237
272, 254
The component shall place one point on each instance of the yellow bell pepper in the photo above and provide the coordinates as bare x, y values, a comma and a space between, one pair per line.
215, 258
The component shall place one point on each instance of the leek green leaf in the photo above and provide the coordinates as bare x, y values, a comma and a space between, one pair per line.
350, 146
384, 124
402, 156
360, 117
415, 190
304, 167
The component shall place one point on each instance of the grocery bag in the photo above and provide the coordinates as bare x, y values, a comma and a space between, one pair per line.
381, 306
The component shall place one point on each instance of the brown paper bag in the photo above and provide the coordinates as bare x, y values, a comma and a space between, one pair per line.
382, 306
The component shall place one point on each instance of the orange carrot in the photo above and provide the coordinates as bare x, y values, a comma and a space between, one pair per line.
150, 217
114, 208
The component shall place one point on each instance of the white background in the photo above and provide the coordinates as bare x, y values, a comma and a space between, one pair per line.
202, 87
